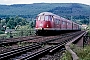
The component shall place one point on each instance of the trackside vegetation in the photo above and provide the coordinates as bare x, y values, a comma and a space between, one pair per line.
82, 53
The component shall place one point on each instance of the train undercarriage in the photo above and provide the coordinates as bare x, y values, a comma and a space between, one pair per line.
53, 32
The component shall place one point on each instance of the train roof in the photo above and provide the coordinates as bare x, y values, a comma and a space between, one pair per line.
46, 13
54, 15
49, 13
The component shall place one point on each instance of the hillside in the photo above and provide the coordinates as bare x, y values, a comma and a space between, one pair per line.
31, 10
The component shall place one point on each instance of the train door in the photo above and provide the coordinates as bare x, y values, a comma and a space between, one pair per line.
57, 24
52, 22
63, 25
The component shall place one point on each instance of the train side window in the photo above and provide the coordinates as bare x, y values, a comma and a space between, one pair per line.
63, 22
52, 18
67, 23
57, 21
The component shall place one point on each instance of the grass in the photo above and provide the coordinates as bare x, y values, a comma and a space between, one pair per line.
82, 53
66, 56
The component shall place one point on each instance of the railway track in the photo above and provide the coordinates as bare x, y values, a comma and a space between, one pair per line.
36, 53
40, 40
18, 51
11, 41
38, 48
15, 46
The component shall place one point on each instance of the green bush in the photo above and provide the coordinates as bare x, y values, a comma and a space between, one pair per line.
66, 56
84, 54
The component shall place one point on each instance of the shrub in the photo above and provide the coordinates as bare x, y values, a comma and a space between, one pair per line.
1, 32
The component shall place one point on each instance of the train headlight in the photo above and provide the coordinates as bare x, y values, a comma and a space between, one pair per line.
41, 24
47, 25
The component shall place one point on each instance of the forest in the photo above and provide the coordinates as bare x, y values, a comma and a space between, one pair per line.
31, 10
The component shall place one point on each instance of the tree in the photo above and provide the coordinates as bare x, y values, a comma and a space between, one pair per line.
0, 20
84, 21
32, 24
11, 23
7, 19
14, 21
3, 22
20, 21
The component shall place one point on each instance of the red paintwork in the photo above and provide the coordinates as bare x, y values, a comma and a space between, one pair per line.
43, 24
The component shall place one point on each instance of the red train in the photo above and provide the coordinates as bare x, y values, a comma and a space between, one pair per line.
47, 22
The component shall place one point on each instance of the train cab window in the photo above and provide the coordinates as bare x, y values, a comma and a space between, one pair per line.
42, 18
50, 18
46, 18
39, 18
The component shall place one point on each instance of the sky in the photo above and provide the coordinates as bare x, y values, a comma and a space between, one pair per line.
10, 2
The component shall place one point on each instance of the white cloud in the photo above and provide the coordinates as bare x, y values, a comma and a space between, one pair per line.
39, 1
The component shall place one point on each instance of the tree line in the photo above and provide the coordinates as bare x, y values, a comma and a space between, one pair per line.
13, 22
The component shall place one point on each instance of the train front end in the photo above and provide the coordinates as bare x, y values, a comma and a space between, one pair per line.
43, 24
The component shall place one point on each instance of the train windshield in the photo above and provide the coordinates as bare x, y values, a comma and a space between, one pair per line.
38, 18
45, 18
42, 18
